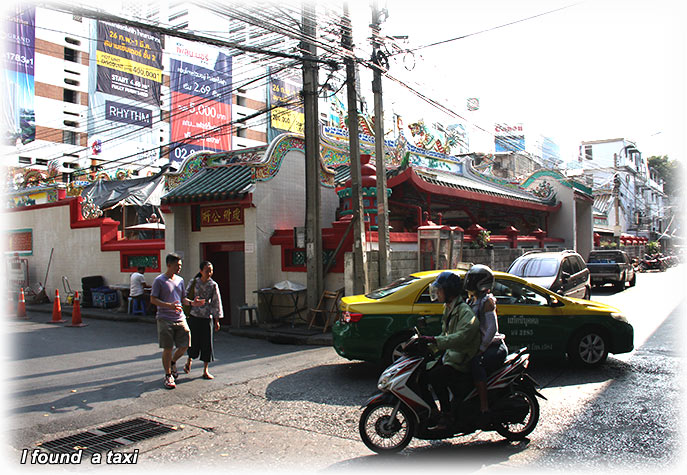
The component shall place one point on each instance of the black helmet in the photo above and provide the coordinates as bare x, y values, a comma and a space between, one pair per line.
479, 278
449, 282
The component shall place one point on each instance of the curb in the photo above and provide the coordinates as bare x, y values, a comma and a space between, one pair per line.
273, 336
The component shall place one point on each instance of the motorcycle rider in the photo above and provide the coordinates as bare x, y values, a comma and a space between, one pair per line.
478, 283
459, 340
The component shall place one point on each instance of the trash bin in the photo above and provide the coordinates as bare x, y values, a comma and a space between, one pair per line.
87, 284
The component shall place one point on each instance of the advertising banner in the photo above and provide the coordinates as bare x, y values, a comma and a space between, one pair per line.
285, 102
129, 62
201, 88
509, 138
18, 115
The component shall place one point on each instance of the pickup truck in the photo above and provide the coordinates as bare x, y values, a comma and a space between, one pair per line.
613, 267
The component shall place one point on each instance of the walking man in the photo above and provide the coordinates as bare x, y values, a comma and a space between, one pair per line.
169, 296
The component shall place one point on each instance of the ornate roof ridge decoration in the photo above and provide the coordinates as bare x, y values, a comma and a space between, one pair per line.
264, 161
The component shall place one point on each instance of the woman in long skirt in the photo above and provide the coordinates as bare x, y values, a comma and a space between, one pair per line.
203, 320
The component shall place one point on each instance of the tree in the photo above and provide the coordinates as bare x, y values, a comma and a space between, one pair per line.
670, 170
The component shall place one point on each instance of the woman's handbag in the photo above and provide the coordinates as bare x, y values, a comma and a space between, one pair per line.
191, 294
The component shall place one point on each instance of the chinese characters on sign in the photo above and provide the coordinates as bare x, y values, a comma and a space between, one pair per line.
221, 216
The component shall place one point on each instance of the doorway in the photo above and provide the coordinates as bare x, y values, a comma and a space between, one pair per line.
229, 272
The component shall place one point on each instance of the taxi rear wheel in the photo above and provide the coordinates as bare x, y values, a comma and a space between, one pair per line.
392, 349
588, 347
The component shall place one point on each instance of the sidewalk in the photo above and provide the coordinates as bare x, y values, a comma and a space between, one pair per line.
282, 333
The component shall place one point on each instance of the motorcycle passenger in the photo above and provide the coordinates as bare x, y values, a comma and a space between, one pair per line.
479, 281
459, 340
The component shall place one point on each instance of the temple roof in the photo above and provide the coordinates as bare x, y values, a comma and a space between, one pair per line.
213, 183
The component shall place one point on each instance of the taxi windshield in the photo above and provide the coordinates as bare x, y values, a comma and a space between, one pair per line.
536, 267
391, 288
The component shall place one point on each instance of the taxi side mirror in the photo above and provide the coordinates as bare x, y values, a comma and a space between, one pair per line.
554, 302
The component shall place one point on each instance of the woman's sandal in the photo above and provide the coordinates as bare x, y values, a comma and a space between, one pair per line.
173, 368
187, 367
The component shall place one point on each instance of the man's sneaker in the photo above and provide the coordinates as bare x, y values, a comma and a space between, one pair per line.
169, 382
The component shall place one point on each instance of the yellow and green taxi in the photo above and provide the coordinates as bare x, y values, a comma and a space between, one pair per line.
372, 327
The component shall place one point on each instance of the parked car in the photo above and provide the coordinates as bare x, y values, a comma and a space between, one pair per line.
562, 272
372, 327
611, 266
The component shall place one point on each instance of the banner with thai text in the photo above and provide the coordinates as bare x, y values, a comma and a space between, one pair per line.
18, 112
201, 90
129, 62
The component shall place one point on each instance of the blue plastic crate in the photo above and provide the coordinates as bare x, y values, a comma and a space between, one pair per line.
104, 297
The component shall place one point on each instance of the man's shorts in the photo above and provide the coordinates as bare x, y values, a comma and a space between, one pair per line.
171, 334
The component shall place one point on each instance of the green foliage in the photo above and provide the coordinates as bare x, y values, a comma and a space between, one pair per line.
670, 170
483, 238
653, 247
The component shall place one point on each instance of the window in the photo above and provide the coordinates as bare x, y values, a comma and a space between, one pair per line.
567, 266
424, 297
508, 292
72, 41
71, 55
391, 288
588, 152
25, 160
71, 96
535, 267
71, 82
69, 137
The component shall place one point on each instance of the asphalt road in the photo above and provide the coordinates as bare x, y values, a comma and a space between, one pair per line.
294, 408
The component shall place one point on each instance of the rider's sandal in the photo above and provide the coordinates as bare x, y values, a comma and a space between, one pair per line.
187, 367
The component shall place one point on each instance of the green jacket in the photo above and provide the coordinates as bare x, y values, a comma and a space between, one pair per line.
460, 336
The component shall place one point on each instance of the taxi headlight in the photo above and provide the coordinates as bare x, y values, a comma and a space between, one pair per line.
619, 316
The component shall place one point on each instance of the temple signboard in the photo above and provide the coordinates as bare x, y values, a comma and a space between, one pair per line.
221, 216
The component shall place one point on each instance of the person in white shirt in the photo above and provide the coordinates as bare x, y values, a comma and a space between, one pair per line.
137, 286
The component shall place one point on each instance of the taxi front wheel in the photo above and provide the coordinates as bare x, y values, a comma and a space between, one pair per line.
588, 347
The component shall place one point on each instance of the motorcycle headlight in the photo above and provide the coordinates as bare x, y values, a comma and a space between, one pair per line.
385, 379
383, 383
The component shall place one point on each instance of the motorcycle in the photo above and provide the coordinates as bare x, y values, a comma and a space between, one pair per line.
655, 262
398, 413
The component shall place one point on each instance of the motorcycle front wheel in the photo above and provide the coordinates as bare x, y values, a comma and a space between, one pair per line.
518, 430
383, 435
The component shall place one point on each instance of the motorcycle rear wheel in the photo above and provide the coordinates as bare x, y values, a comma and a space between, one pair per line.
382, 435
520, 430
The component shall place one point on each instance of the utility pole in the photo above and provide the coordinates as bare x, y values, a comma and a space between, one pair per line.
382, 199
313, 229
360, 275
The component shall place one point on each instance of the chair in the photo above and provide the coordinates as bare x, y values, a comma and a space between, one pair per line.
328, 308
246, 310
136, 307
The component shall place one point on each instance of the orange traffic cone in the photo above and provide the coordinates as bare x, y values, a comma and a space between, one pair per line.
76, 313
57, 309
21, 306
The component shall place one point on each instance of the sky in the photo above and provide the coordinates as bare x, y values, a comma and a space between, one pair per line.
577, 71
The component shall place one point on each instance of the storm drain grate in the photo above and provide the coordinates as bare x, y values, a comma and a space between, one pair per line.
110, 437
